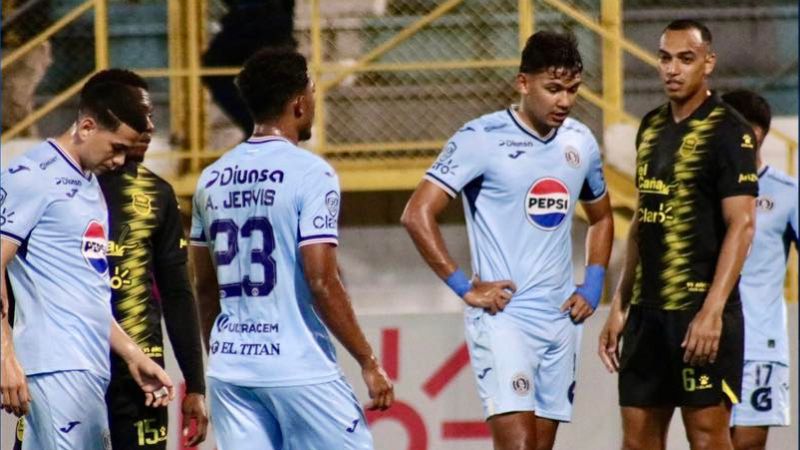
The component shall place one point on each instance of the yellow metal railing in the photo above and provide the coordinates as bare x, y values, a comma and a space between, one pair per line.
187, 99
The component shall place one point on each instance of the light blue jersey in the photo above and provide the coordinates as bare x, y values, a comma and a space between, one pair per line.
57, 216
764, 271
519, 192
255, 207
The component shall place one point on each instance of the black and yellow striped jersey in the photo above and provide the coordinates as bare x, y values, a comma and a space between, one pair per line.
145, 233
683, 171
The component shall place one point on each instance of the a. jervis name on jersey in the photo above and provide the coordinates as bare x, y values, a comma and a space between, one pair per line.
244, 199
234, 175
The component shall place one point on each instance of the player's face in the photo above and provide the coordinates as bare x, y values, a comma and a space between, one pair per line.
684, 63
137, 151
548, 96
306, 109
105, 149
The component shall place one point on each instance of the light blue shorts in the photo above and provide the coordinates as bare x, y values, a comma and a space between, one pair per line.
321, 416
525, 364
765, 395
68, 412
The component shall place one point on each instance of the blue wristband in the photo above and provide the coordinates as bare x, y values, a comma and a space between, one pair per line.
458, 282
592, 287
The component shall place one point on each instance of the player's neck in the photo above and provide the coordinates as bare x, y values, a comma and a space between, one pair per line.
543, 130
276, 129
66, 143
683, 109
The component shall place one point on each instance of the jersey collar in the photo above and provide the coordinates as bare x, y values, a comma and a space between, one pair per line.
528, 130
763, 171
266, 139
71, 162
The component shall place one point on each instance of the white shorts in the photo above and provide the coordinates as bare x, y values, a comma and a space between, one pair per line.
68, 412
525, 364
321, 416
765, 395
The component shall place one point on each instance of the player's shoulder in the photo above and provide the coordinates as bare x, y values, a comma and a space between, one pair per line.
162, 185
658, 113
732, 119
575, 127
34, 166
782, 178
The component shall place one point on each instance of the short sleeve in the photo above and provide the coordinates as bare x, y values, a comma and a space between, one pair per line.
461, 161
736, 162
197, 233
594, 186
318, 201
23, 201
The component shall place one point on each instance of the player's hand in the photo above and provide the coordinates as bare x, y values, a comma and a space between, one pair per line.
156, 384
193, 407
608, 345
579, 309
702, 337
381, 390
14, 386
492, 296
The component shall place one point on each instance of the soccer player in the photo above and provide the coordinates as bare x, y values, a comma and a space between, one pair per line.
263, 248
765, 383
683, 338
147, 249
55, 367
521, 172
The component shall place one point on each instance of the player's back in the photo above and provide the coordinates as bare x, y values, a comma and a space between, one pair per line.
57, 216
254, 208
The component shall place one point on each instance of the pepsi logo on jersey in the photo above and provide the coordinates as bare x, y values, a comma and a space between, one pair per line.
547, 203
93, 246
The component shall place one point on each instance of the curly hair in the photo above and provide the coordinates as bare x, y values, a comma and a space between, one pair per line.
270, 79
548, 49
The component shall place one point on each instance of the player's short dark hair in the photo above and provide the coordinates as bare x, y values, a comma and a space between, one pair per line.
753, 107
116, 75
548, 49
691, 24
269, 79
112, 104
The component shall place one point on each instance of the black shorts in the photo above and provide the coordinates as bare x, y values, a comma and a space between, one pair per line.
652, 371
133, 425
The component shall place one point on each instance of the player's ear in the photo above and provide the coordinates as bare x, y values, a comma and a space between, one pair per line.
299, 106
86, 126
521, 83
710, 63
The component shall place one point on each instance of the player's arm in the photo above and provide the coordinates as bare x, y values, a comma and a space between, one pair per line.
333, 305
180, 316
737, 185
608, 347
702, 337
206, 288
599, 239
13, 386
420, 220
148, 375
